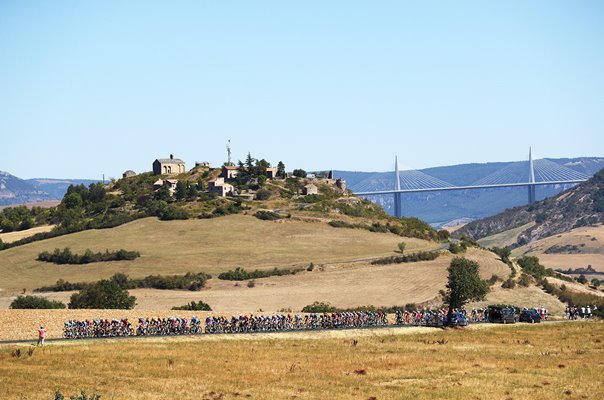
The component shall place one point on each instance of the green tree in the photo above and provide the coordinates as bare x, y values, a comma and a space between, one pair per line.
464, 284
201, 185
163, 193
181, 191
582, 279
300, 173
72, 201
281, 170
401, 247
595, 282
249, 162
191, 191
503, 253
104, 294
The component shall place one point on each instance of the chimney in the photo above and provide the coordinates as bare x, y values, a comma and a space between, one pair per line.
171, 156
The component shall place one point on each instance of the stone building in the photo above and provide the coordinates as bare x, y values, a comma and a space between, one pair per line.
229, 171
341, 184
220, 188
168, 166
311, 188
128, 174
271, 172
161, 182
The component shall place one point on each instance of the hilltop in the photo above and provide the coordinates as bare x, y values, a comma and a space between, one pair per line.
580, 206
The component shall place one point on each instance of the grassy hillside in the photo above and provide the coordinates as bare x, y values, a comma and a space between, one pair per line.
542, 361
208, 245
580, 206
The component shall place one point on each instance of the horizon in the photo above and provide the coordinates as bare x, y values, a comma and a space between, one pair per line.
108, 178
97, 88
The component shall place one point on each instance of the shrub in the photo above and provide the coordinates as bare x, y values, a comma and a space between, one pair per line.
63, 286
311, 266
240, 274
267, 215
401, 247
493, 279
509, 284
457, 248
65, 256
582, 279
193, 306
251, 284
503, 253
525, 280
413, 257
595, 282
531, 266
35, 302
171, 212
263, 194
104, 294
318, 307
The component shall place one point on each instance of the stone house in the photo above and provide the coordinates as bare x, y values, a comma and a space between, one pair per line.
271, 172
161, 182
128, 174
311, 188
229, 171
168, 166
221, 189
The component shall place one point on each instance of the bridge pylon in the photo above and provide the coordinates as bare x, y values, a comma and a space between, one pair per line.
398, 211
531, 182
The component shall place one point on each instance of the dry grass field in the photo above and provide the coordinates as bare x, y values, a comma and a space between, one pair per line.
505, 238
10, 237
212, 246
341, 284
589, 242
546, 361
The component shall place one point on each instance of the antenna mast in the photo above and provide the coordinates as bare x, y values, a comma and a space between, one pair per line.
228, 147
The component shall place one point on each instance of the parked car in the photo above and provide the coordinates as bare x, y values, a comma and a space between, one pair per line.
502, 315
531, 316
457, 319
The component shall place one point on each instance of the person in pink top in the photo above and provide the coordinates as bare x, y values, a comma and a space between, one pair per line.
41, 336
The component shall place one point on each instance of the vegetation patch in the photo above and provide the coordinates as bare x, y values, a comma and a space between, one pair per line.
65, 256
35, 302
104, 294
240, 274
189, 281
193, 306
407, 258
267, 215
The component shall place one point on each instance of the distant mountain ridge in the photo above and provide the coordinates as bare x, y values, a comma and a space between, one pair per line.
17, 191
580, 206
440, 208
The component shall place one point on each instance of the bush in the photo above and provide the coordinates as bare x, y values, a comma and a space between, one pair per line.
267, 215
531, 266
509, 284
35, 302
457, 248
525, 280
493, 279
263, 194
65, 256
63, 286
311, 267
401, 247
318, 307
240, 274
104, 294
503, 253
582, 279
407, 258
251, 284
193, 306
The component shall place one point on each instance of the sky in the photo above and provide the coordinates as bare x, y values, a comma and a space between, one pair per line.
98, 87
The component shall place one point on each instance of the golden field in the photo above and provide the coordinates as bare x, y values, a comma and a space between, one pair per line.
546, 361
347, 284
208, 245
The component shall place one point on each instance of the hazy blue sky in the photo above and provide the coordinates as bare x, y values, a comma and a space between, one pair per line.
88, 87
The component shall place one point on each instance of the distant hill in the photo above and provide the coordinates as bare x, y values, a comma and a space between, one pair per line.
580, 206
17, 191
441, 208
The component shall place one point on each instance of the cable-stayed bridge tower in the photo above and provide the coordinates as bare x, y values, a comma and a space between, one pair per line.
531, 185
398, 211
